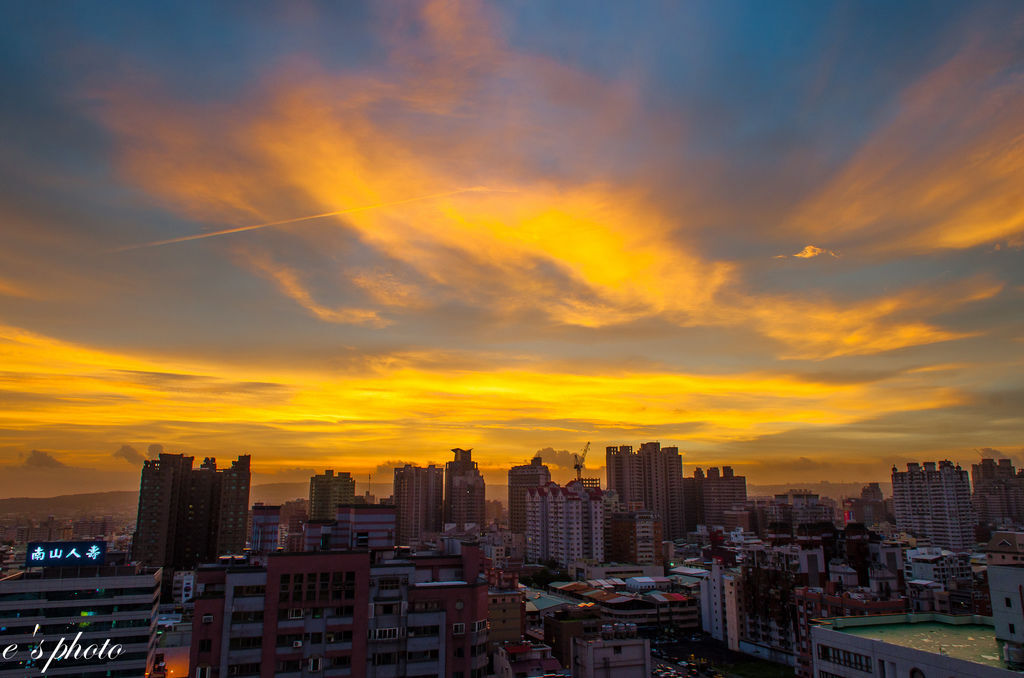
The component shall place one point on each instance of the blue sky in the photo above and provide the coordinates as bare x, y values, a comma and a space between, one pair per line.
768, 233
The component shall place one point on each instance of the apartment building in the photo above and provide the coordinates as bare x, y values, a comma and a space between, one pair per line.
933, 501
374, 613
635, 537
649, 478
419, 499
564, 524
520, 479
327, 490
187, 516
464, 491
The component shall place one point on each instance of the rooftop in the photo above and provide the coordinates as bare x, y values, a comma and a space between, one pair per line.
541, 601
971, 638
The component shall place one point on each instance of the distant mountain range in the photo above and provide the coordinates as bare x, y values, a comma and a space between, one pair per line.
822, 488
90, 504
120, 502
109, 503
278, 493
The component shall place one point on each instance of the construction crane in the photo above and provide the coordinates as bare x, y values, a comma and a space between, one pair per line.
578, 459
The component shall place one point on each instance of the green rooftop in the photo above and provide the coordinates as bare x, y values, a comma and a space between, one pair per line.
969, 638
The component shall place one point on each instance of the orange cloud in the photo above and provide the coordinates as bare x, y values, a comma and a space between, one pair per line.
945, 172
10, 289
287, 280
304, 144
818, 329
808, 252
811, 251
290, 417
579, 245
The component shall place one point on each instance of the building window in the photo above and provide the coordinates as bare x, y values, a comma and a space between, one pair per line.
1009, 603
384, 634
458, 629
1012, 630
852, 660
417, 631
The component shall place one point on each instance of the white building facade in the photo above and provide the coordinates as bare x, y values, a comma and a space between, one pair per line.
564, 524
933, 501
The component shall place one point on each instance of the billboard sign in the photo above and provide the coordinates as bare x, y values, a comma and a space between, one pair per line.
65, 553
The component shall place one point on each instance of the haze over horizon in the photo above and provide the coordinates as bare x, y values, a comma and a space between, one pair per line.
787, 238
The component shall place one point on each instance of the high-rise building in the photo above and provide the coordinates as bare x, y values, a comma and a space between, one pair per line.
651, 477
564, 524
233, 505
934, 502
419, 498
327, 491
998, 493
693, 501
520, 479
187, 516
624, 475
463, 492
721, 492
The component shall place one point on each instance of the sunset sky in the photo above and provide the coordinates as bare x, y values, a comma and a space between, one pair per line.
785, 236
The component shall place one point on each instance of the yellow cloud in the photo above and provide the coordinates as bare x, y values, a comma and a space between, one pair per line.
945, 173
810, 251
584, 249
819, 329
10, 289
287, 280
58, 389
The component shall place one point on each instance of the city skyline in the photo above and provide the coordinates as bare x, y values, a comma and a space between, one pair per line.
787, 241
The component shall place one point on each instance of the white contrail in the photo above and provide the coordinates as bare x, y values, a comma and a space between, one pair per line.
253, 227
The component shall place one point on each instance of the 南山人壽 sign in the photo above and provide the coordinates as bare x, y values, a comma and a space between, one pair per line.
65, 553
